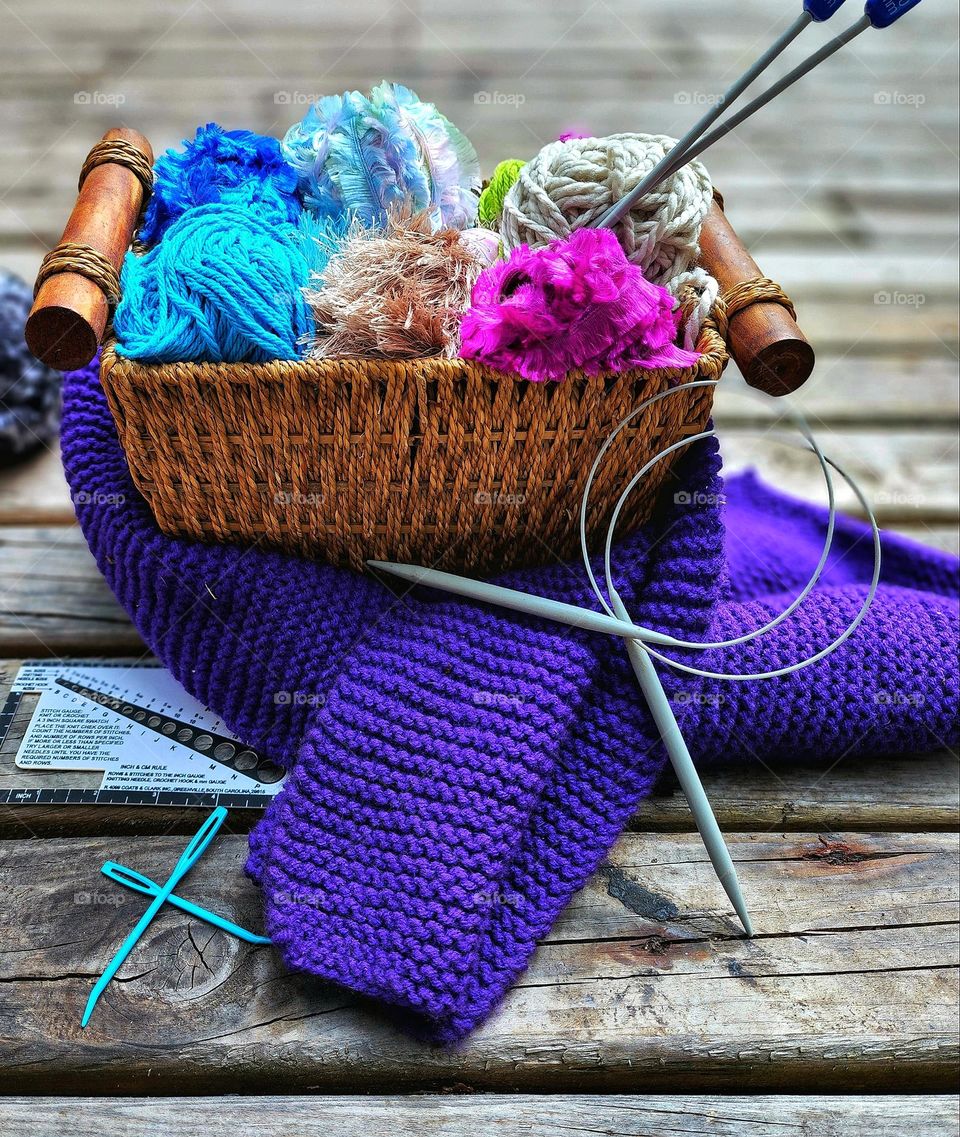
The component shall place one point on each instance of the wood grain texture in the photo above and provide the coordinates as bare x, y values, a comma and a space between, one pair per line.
514, 1115
643, 984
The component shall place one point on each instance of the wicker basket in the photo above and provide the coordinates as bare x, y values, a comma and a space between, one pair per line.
432, 461
439, 462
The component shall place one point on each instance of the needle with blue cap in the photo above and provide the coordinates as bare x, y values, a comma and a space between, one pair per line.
642, 643
163, 894
877, 14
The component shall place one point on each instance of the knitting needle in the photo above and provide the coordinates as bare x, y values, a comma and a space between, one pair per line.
646, 675
813, 11
130, 878
539, 606
193, 852
686, 771
877, 14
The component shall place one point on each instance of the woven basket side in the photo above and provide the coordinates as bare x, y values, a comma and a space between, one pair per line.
435, 461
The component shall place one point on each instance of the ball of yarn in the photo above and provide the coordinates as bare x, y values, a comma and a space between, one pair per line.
491, 200
575, 304
570, 184
29, 390
236, 167
387, 154
394, 294
224, 285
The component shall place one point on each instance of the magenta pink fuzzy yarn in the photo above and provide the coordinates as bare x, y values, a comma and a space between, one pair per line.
577, 303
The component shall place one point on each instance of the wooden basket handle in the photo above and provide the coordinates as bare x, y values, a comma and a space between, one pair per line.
79, 281
768, 346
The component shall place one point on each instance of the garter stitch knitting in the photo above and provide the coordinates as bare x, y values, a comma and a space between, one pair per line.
458, 772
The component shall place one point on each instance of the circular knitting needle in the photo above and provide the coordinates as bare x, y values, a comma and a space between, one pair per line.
620, 625
683, 767
639, 640
524, 602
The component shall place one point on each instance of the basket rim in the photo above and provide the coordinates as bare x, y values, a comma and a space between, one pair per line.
711, 344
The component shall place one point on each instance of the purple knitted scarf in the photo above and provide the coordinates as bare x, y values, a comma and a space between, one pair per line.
459, 772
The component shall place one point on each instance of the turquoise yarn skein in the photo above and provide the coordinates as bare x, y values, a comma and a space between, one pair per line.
222, 286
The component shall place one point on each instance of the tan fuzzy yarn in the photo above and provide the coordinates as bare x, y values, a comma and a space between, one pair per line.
396, 293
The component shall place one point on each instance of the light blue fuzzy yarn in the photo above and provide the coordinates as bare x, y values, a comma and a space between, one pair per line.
222, 286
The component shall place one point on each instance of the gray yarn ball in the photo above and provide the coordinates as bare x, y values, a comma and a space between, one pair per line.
29, 390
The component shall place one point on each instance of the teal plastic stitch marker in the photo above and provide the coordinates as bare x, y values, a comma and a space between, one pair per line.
199, 844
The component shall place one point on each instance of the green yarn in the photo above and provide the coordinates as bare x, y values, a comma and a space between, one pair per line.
491, 200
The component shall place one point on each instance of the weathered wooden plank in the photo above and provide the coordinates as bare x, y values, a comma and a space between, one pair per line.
514, 1115
945, 537
44, 572
644, 982
909, 477
893, 393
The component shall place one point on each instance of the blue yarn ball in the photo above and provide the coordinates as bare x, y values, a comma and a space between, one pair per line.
235, 167
29, 390
223, 286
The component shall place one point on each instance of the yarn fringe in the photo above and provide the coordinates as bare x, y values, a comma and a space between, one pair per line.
395, 293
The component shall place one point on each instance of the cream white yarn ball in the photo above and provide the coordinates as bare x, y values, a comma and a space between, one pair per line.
569, 185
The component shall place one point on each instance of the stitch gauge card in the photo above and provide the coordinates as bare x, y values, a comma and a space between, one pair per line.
129, 734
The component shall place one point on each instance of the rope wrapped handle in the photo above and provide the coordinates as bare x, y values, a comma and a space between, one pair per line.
78, 283
79, 280
761, 323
